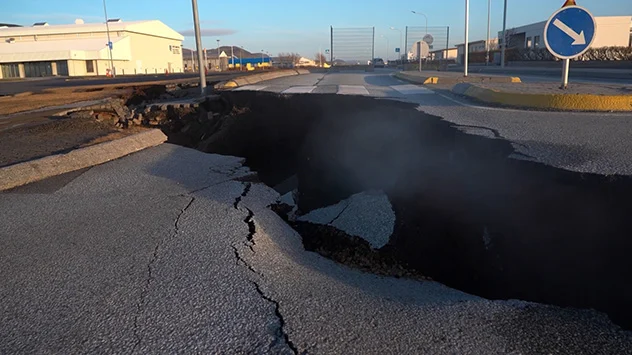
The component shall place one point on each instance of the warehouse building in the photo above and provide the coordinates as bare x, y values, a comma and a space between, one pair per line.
80, 49
612, 31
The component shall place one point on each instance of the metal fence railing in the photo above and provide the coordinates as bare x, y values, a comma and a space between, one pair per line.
436, 38
352, 46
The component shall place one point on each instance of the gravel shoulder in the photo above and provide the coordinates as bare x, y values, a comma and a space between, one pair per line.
62, 135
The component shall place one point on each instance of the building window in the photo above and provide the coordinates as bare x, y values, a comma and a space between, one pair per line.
536, 41
89, 66
529, 43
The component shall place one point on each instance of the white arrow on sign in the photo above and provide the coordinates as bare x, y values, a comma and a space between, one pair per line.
579, 38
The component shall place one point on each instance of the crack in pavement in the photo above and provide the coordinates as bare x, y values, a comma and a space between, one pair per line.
240, 259
280, 333
340, 214
143, 294
247, 187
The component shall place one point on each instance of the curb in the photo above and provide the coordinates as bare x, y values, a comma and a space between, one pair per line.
565, 102
427, 80
31, 171
253, 79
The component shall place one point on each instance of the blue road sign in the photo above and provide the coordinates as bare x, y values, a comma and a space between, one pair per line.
397, 50
110, 45
569, 32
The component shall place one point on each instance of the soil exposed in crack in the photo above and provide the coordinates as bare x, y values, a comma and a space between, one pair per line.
466, 214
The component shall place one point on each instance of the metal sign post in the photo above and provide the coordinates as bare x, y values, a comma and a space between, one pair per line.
569, 33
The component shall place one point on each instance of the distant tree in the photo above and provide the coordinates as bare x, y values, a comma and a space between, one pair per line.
289, 59
320, 58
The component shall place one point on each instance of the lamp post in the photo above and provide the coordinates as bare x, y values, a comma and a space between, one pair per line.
241, 55
425, 17
219, 60
232, 56
400, 39
262, 59
467, 33
386, 38
198, 45
107, 29
502, 54
489, 29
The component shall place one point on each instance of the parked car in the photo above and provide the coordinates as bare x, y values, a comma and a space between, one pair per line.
378, 63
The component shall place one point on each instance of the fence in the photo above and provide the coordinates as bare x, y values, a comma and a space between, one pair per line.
352, 46
438, 38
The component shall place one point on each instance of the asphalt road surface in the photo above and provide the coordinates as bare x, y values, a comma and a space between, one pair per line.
585, 142
39, 84
154, 253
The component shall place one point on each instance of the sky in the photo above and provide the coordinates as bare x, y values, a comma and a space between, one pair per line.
301, 26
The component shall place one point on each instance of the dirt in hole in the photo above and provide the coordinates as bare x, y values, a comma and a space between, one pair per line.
347, 249
467, 215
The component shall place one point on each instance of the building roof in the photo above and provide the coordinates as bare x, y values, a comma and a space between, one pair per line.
151, 27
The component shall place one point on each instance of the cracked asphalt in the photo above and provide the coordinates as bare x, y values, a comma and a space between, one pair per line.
166, 251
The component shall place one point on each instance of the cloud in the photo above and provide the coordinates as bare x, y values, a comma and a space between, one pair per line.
209, 32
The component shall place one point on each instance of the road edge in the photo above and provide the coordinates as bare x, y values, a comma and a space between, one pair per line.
35, 170
253, 79
562, 102
437, 79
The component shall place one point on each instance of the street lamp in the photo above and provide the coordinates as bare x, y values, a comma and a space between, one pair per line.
107, 29
422, 14
241, 55
198, 45
502, 54
400, 39
426, 18
386, 38
467, 33
262, 59
489, 29
219, 60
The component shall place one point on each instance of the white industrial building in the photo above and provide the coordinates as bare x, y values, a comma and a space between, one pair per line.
612, 31
81, 49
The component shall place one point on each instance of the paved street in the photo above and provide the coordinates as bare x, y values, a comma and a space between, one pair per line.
39, 84
170, 251
155, 253
585, 142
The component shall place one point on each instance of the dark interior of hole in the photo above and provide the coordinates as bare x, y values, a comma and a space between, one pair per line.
467, 215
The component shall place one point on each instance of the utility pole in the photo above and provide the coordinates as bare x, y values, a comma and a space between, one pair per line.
489, 29
503, 51
232, 55
467, 33
198, 45
241, 55
107, 29
219, 60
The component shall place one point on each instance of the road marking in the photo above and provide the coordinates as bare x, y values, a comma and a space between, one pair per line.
299, 90
352, 90
251, 88
579, 38
410, 89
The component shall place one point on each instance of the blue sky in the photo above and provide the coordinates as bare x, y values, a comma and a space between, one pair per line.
301, 26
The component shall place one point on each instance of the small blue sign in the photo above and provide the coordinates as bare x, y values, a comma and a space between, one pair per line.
110, 45
569, 32
397, 50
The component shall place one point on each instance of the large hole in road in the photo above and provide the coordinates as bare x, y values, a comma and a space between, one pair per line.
467, 215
